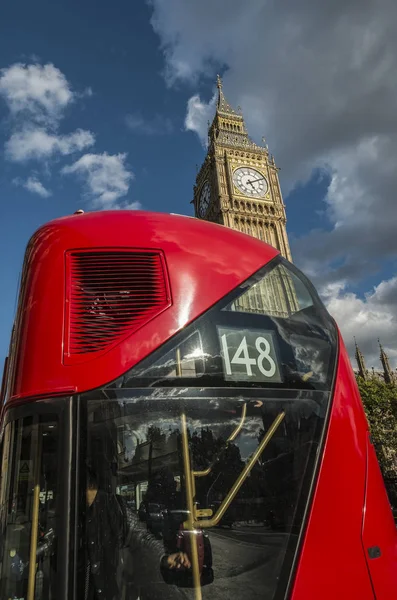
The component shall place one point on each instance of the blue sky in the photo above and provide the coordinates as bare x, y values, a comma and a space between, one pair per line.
131, 87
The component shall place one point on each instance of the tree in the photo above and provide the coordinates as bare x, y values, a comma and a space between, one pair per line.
380, 404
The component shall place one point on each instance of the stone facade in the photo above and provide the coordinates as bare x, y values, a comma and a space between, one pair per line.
237, 184
385, 374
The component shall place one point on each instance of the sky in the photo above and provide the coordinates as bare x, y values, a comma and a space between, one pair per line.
105, 105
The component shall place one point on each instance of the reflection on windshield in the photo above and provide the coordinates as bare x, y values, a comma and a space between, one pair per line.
280, 293
246, 340
197, 491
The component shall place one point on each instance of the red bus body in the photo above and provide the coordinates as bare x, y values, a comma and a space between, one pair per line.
348, 543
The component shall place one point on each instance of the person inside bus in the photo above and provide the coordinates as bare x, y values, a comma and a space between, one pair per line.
119, 549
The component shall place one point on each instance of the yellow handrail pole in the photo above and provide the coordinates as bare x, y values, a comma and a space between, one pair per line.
242, 477
240, 425
178, 367
35, 521
33, 543
190, 506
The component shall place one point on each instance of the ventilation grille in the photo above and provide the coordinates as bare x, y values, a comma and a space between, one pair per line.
112, 294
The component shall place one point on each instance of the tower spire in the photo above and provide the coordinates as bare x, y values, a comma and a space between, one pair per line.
223, 105
362, 371
384, 359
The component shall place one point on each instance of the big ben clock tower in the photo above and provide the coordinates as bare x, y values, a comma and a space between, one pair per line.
238, 183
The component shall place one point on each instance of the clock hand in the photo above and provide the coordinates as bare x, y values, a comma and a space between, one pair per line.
255, 180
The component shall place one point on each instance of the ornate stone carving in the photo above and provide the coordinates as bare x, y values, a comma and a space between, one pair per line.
231, 148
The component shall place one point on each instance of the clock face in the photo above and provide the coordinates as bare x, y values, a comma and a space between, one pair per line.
250, 182
204, 200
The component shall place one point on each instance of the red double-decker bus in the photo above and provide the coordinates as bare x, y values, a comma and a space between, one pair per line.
180, 420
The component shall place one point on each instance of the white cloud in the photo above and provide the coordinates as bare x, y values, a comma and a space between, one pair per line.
87, 93
367, 319
37, 97
32, 184
197, 116
39, 144
39, 92
157, 126
36, 187
361, 206
106, 176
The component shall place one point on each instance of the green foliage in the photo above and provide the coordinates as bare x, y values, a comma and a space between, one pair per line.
380, 404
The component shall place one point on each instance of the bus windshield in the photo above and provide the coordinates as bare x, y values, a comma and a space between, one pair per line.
200, 460
219, 476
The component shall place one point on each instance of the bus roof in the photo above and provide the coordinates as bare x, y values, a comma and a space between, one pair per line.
200, 262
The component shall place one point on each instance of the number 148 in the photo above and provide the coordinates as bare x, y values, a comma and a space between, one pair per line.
242, 357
